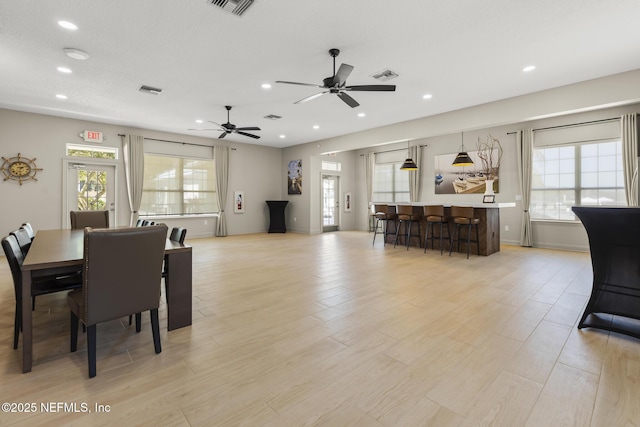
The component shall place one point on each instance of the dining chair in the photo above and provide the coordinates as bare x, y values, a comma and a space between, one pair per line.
24, 241
109, 293
39, 285
94, 219
29, 229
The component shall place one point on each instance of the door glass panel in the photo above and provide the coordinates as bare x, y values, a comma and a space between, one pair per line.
92, 190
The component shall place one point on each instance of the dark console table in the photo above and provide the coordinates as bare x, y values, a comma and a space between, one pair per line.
614, 242
276, 212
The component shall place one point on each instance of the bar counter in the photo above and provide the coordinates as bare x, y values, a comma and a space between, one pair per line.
488, 229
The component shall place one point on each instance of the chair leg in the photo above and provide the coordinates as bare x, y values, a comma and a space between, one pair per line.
452, 239
468, 240
17, 324
130, 319
33, 303
441, 244
74, 332
91, 349
155, 327
138, 322
398, 224
408, 238
426, 237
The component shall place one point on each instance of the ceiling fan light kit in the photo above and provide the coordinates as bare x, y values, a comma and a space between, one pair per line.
337, 84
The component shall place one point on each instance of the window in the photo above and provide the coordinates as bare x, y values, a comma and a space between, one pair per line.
74, 150
178, 186
331, 166
586, 174
390, 184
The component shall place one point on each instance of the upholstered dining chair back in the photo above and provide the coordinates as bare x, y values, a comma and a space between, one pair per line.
122, 272
24, 241
29, 229
178, 234
93, 219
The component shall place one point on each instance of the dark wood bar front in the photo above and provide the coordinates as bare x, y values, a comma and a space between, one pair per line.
488, 230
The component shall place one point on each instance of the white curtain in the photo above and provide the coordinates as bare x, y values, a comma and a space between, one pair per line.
133, 156
414, 176
524, 148
221, 157
629, 134
369, 167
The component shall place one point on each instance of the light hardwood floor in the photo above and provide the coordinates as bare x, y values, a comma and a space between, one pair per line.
293, 330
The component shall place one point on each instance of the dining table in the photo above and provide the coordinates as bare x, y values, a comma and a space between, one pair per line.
61, 251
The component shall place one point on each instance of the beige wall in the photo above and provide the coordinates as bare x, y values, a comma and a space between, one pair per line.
261, 171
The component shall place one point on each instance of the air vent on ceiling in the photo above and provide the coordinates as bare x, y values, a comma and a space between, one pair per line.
149, 89
272, 117
237, 7
384, 75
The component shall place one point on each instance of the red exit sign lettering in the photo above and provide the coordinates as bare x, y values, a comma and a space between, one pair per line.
92, 136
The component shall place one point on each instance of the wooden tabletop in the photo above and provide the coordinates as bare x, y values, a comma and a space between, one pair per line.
63, 247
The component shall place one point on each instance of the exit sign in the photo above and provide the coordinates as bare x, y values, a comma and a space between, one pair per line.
92, 136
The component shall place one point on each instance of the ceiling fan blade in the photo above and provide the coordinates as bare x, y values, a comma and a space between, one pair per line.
341, 76
205, 129
248, 134
223, 134
217, 124
348, 100
249, 128
309, 98
297, 83
373, 88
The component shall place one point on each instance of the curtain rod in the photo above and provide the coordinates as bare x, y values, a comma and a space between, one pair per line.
399, 149
572, 124
177, 142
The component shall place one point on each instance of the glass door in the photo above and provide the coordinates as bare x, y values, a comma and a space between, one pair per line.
90, 187
330, 203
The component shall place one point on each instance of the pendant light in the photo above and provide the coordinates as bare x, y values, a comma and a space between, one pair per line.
462, 159
409, 164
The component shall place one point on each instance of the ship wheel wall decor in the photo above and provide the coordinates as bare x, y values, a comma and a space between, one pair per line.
19, 169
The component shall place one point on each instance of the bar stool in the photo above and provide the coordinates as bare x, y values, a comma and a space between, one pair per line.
406, 216
380, 214
463, 215
435, 215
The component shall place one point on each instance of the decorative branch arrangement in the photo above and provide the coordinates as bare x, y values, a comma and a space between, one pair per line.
490, 154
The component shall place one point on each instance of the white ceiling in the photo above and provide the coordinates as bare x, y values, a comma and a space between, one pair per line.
463, 52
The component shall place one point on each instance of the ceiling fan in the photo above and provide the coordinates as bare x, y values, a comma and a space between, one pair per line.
336, 84
227, 128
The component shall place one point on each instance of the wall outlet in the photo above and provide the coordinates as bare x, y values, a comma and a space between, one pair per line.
506, 228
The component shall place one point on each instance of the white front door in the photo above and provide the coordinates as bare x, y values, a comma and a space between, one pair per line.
330, 201
90, 187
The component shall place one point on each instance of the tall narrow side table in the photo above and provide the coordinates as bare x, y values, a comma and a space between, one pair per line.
276, 212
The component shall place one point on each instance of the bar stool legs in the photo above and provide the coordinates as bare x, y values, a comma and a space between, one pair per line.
406, 216
430, 225
463, 216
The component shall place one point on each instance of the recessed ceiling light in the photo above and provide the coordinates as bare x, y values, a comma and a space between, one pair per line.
68, 25
76, 53
266, 86
316, 127
199, 121
361, 114
61, 96
529, 68
283, 136
64, 70
427, 96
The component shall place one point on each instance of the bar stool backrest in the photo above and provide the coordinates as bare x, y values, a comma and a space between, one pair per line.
434, 210
404, 210
462, 212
